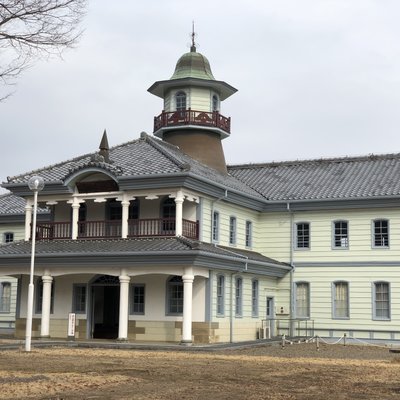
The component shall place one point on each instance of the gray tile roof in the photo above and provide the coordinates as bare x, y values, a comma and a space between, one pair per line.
142, 157
336, 178
15, 205
64, 248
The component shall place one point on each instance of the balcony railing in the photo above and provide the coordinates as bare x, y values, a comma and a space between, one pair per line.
154, 227
191, 117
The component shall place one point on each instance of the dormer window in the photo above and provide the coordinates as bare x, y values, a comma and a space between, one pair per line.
215, 103
180, 99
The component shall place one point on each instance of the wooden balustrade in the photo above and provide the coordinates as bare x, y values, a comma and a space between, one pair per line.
151, 227
192, 117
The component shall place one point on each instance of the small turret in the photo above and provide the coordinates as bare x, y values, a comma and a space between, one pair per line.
191, 116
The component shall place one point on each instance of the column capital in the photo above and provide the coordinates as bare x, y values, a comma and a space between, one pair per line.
187, 278
47, 278
124, 279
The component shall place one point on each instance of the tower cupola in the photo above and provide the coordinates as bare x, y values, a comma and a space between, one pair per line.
191, 117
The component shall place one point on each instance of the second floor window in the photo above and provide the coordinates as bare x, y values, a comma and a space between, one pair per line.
8, 237
180, 99
232, 230
303, 235
215, 226
249, 233
380, 233
340, 235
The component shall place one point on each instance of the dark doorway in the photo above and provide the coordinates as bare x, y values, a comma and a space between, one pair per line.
105, 303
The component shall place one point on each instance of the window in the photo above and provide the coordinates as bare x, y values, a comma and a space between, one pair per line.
238, 297
249, 228
302, 300
381, 233
303, 235
8, 237
381, 300
340, 235
39, 297
215, 103
340, 300
168, 211
79, 299
232, 230
5, 297
254, 298
137, 299
220, 295
180, 99
175, 296
215, 226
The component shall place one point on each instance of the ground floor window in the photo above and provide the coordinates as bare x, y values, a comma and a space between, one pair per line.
137, 299
79, 299
5, 297
381, 300
254, 298
239, 297
341, 300
220, 295
302, 300
175, 296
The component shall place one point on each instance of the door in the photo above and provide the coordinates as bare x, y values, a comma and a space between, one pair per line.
270, 307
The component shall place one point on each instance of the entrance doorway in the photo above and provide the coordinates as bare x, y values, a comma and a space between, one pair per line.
270, 306
105, 307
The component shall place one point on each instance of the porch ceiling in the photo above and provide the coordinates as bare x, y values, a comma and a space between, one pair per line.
149, 251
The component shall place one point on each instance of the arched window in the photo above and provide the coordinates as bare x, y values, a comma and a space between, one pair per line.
215, 103
180, 99
5, 296
175, 295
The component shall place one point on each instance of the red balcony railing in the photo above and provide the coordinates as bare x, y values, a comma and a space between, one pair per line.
191, 117
113, 229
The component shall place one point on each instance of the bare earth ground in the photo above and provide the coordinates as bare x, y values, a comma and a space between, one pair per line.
263, 372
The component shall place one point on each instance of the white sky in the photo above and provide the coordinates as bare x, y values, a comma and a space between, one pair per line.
316, 78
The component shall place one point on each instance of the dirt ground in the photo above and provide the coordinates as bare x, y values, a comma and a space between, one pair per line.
262, 372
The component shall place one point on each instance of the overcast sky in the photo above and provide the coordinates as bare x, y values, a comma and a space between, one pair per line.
315, 78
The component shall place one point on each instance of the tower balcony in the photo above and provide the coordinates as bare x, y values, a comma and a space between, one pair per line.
182, 119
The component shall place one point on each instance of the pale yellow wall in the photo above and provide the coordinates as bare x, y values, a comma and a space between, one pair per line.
17, 229
198, 99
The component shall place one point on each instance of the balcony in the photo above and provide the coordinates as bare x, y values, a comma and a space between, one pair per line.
191, 117
155, 227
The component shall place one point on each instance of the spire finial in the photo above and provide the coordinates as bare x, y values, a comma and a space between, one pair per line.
193, 46
104, 147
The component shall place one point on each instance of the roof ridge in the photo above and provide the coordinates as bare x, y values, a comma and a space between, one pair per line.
369, 157
156, 143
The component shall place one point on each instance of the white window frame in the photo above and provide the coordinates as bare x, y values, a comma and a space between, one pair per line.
249, 234
384, 237
239, 297
303, 241
299, 285
215, 226
5, 297
376, 299
180, 95
232, 230
75, 301
172, 282
132, 303
220, 295
340, 235
339, 303
254, 297
8, 237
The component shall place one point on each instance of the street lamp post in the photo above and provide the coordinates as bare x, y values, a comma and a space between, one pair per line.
36, 184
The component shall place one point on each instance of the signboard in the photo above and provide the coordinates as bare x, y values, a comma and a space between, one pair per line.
71, 325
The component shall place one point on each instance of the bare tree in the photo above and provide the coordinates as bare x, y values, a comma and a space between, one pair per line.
30, 29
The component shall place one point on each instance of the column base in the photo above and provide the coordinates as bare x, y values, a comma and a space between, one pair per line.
123, 340
186, 342
71, 338
44, 337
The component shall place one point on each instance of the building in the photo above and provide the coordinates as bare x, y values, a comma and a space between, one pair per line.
158, 240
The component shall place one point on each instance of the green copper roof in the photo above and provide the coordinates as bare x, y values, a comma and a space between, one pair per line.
193, 65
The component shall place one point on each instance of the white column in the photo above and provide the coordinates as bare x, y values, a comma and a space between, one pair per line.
75, 219
46, 305
125, 216
187, 279
178, 213
123, 307
28, 220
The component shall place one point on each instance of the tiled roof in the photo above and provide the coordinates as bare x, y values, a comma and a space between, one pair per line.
15, 205
336, 178
142, 157
120, 246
